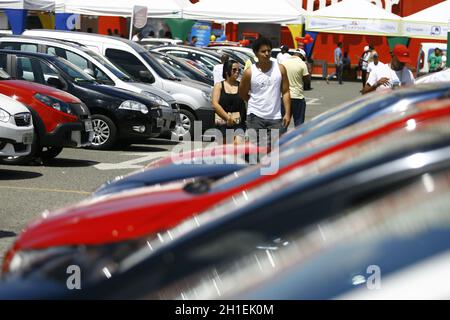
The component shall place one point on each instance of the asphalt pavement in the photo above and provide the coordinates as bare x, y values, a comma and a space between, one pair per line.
27, 191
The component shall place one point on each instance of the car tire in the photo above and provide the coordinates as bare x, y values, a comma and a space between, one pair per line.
50, 152
105, 132
34, 153
185, 128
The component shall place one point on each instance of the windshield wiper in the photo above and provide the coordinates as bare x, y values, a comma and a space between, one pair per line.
78, 80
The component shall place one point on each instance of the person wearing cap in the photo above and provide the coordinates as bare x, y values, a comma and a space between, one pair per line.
376, 63
283, 55
298, 76
392, 75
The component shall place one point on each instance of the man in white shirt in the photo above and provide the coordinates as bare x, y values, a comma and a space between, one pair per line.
375, 63
392, 75
218, 69
262, 85
283, 55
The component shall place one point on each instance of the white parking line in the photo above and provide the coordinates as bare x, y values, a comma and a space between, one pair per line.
44, 189
133, 163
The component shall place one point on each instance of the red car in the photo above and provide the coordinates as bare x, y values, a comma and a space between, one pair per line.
148, 211
59, 119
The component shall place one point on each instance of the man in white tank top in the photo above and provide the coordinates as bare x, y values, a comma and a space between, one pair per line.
262, 86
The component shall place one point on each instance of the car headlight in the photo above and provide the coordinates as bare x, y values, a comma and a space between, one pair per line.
155, 99
206, 95
97, 262
134, 105
54, 103
4, 115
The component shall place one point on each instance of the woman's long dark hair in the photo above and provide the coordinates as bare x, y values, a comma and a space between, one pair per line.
227, 66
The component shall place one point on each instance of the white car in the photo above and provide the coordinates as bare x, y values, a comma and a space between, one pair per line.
16, 128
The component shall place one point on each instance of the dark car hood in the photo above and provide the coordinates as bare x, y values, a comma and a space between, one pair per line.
117, 93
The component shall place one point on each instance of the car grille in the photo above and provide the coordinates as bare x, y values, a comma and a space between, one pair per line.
23, 119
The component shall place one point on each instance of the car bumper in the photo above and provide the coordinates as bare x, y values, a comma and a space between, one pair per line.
138, 125
15, 141
71, 134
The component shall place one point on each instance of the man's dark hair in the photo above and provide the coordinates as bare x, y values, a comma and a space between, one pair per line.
261, 41
339, 44
227, 67
371, 47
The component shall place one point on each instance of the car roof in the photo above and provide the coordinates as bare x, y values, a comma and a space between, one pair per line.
32, 54
40, 39
83, 35
188, 48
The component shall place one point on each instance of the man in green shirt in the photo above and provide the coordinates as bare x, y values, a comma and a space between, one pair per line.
435, 60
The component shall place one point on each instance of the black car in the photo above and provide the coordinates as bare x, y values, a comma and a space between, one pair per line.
117, 114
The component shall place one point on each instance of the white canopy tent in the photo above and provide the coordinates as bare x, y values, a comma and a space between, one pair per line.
354, 17
429, 23
123, 8
262, 11
39, 5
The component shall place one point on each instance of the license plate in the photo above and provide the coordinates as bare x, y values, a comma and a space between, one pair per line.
88, 125
27, 138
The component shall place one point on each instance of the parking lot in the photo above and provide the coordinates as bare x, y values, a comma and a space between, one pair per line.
27, 191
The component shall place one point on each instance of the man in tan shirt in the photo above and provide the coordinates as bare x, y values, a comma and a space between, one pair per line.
297, 72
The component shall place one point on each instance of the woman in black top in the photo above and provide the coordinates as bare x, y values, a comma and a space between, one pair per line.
228, 105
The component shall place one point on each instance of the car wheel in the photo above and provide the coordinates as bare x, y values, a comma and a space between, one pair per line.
185, 128
34, 152
48, 153
105, 132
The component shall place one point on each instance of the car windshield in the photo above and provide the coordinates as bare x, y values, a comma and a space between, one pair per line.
162, 71
176, 70
75, 73
186, 68
111, 67
199, 66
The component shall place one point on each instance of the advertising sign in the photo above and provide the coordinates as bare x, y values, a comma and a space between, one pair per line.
202, 30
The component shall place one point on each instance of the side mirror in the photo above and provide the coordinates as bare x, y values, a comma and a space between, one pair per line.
55, 82
146, 76
89, 72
